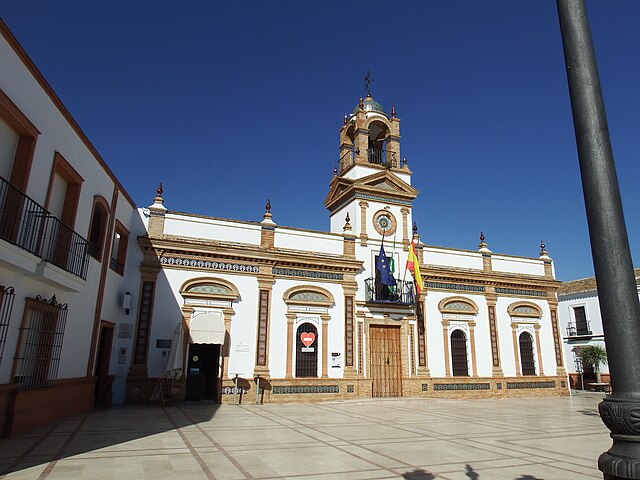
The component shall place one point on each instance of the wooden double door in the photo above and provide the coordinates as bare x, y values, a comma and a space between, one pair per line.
386, 360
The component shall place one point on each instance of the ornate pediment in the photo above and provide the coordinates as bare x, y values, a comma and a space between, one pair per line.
384, 186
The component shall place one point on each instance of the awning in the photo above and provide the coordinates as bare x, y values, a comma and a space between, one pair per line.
207, 328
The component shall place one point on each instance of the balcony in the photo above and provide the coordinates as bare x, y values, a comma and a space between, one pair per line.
399, 294
574, 330
382, 157
27, 225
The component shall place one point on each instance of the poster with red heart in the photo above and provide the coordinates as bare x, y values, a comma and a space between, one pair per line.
307, 338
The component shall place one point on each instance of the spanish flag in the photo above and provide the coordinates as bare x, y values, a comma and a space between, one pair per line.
414, 266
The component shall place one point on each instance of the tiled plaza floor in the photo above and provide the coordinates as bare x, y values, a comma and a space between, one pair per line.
514, 439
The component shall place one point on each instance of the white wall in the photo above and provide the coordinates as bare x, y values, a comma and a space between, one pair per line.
190, 226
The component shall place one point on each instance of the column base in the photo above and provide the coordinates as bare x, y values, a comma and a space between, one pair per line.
497, 372
349, 372
424, 372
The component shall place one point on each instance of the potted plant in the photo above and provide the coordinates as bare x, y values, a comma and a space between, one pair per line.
594, 355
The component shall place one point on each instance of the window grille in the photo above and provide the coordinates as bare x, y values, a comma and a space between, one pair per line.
526, 354
40, 343
459, 361
306, 357
7, 294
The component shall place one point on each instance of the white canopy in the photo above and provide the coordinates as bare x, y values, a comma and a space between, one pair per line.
207, 328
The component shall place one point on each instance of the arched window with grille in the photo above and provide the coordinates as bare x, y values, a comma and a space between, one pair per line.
306, 351
526, 354
459, 360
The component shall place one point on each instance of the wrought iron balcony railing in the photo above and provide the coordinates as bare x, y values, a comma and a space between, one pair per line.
574, 330
382, 157
401, 293
26, 224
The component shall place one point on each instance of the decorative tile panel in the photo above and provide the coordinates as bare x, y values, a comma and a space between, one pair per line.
291, 272
295, 389
309, 296
556, 337
207, 264
514, 291
211, 289
425, 387
455, 286
144, 324
350, 389
516, 385
461, 386
422, 353
263, 320
494, 337
348, 330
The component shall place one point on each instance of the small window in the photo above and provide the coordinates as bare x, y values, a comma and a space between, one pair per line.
459, 360
119, 248
98, 227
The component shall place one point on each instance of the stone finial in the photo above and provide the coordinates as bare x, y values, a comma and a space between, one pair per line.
344, 122
347, 223
267, 217
543, 250
361, 104
158, 201
415, 228
404, 162
483, 247
393, 111
335, 171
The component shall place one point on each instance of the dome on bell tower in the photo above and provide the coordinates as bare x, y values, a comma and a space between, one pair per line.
370, 105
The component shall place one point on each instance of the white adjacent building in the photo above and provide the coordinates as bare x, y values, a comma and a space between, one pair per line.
581, 323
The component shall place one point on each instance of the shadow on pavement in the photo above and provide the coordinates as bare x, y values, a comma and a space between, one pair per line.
420, 474
112, 430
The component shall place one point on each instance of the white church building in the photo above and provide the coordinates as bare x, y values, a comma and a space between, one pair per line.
305, 315
99, 300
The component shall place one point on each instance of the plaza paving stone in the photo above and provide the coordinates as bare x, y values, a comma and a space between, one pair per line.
488, 439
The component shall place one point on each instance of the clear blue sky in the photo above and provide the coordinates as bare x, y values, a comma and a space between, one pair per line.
231, 103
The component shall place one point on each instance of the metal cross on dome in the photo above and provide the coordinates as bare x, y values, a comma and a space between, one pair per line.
367, 83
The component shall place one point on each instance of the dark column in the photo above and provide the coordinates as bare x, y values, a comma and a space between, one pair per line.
609, 244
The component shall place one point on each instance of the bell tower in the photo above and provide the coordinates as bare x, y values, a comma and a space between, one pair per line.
371, 182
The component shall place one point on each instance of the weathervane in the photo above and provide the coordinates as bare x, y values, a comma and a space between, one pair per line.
367, 83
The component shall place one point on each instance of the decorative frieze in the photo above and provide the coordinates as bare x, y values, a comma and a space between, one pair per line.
290, 272
516, 385
208, 264
438, 387
515, 291
296, 389
455, 286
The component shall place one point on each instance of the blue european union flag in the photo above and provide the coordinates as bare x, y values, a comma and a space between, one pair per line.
382, 265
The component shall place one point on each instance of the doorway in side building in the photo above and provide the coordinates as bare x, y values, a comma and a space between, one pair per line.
386, 360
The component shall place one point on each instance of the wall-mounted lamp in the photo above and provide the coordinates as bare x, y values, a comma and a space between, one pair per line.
126, 302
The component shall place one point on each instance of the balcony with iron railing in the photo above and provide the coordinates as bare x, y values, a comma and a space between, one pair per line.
382, 157
400, 294
578, 330
375, 156
27, 225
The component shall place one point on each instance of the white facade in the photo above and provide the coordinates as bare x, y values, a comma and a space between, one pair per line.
61, 292
581, 323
